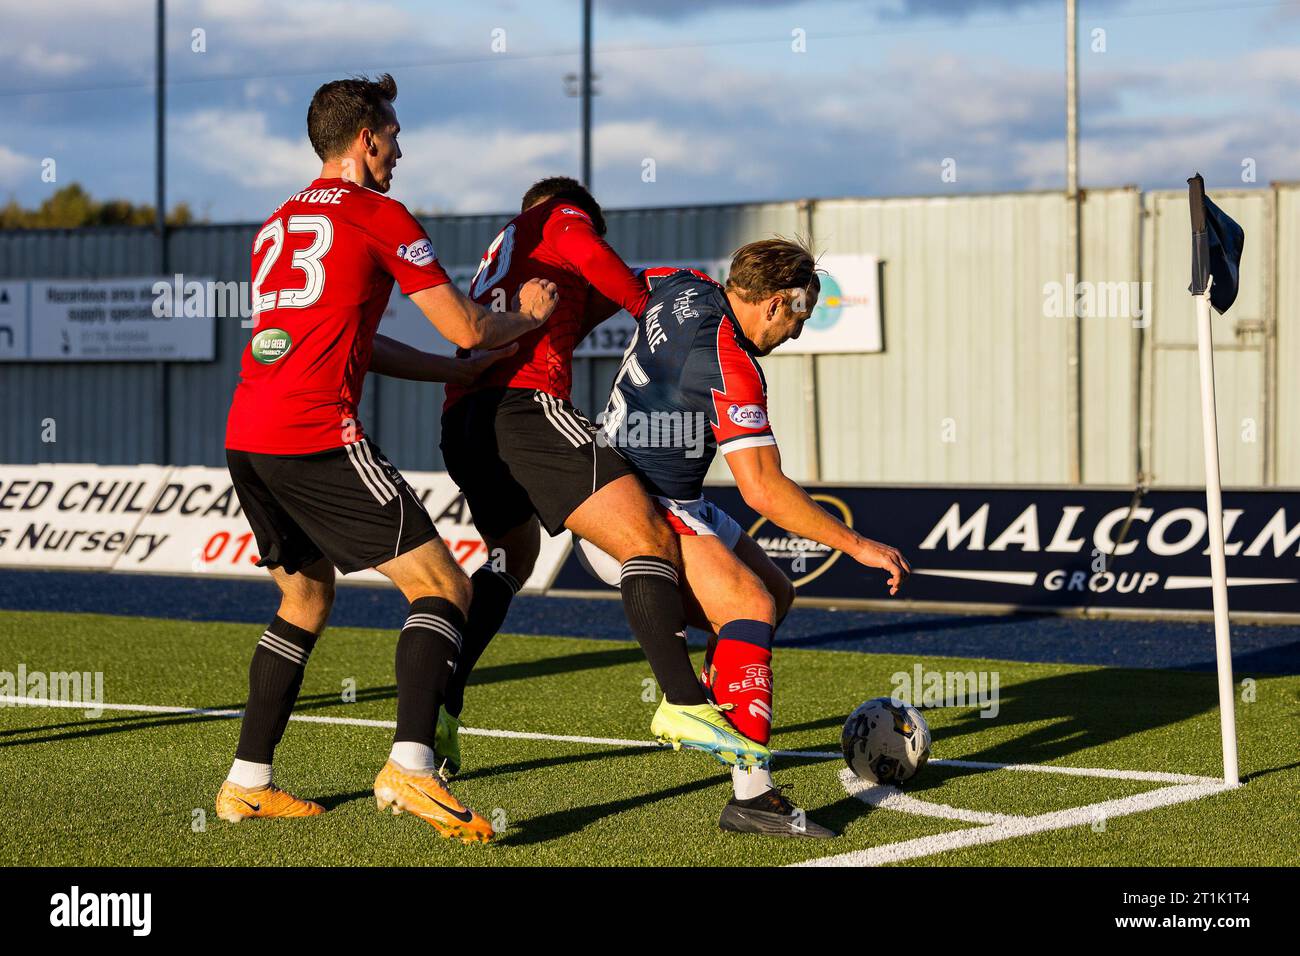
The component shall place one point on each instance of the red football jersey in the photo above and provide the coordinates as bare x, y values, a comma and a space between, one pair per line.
553, 240
323, 269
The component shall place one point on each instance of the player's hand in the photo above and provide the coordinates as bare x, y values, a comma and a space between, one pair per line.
873, 554
471, 365
537, 298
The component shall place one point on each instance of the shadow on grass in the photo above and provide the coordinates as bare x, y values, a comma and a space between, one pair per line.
93, 727
1256, 775
559, 760
561, 823
99, 727
551, 666
1058, 716
338, 799
1039, 721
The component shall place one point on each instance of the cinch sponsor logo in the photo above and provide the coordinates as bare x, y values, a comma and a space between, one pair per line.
748, 416
801, 558
74, 908
271, 345
419, 253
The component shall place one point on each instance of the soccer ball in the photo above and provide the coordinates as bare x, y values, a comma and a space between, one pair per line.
886, 741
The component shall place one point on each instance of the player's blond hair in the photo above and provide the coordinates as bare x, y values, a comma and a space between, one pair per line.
777, 265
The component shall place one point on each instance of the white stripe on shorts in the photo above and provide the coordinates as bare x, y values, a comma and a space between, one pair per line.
365, 473
566, 426
381, 476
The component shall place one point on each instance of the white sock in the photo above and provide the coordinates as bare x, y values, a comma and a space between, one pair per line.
749, 783
417, 758
249, 775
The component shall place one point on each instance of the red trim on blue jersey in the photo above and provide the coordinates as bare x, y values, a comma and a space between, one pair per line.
743, 395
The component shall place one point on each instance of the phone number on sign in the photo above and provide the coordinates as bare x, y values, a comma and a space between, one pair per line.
227, 548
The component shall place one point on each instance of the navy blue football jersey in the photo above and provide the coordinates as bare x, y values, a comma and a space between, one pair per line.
689, 385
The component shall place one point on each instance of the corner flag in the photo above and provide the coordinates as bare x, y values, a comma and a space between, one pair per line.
1216, 248
1216, 257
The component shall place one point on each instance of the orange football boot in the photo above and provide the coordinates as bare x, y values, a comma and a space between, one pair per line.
235, 803
427, 797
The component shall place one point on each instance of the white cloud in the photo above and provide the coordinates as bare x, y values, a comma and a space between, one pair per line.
14, 167
41, 61
237, 144
632, 141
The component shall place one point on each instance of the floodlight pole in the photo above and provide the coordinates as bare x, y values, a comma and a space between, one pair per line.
1218, 562
1073, 247
160, 133
584, 93
163, 415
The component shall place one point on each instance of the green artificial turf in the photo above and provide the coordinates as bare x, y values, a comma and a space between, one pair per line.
137, 788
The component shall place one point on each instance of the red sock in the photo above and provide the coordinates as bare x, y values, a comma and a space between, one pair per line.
742, 675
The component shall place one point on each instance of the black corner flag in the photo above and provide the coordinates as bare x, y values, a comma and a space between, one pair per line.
1216, 248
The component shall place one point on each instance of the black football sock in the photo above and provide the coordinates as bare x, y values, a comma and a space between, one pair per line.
652, 602
274, 678
426, 657
493, 592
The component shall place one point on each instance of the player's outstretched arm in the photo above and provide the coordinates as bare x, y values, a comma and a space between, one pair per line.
768, 491
577, 242
398, 360
471, 326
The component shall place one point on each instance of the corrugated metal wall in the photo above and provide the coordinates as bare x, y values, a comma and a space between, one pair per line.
1285, 365
104, 412
971, 386
1173, 447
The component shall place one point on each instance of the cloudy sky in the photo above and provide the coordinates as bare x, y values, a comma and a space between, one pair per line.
711, 90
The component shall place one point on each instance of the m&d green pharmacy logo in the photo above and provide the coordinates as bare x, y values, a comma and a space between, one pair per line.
270, 345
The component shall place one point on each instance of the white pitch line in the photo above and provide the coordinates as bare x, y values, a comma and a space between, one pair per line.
1147, 775
366, 722
1011, 827
891, 798
1151, 776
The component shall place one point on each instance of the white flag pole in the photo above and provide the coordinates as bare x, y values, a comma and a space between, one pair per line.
1218, 562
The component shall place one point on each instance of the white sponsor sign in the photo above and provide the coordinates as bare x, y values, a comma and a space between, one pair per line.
847, 318
13, 321
147, 518
142, 319
76, 516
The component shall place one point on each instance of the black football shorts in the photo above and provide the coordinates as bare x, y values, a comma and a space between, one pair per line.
348, 504
519, 452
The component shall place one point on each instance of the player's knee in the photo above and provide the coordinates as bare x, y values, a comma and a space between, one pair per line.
308, 605
658, 539
454, 587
